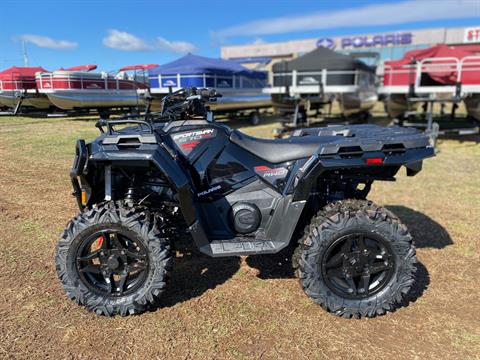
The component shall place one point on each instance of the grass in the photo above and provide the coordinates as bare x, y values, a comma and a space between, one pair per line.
233, 308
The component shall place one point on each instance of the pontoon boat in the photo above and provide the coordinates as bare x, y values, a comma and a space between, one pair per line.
78, 88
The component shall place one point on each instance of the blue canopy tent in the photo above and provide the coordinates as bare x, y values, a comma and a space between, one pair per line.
199, 71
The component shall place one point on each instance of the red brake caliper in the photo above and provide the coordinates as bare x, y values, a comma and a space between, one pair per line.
100, 242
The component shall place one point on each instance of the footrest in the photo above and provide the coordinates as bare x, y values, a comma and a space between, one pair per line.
242, 247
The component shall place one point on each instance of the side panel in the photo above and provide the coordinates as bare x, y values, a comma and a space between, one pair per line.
239, 197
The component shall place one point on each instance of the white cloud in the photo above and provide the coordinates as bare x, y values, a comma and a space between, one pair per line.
180, 47
46, 42
122, 40
371, 15
258, 41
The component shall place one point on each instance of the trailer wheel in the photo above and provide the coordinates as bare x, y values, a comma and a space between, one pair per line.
356, 259
114, 259
255, 118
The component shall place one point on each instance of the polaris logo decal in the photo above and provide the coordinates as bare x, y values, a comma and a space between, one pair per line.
309, 80
169, 83
206, 192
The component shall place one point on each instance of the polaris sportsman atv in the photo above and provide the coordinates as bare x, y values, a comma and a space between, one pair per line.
237, 195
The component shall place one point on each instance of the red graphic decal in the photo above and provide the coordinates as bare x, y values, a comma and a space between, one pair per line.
262, 168
190, 145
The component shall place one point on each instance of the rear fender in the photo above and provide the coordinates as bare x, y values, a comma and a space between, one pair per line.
313, 168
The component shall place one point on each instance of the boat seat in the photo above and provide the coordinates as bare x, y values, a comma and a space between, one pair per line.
278, 150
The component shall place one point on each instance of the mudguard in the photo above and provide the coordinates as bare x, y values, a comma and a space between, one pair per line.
358, 148
157, 155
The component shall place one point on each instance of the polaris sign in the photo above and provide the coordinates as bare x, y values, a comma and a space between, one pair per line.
377, 40
326, 42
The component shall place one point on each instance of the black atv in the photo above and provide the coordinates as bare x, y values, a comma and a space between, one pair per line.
138, 186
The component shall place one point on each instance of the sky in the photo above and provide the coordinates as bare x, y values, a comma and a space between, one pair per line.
112, 34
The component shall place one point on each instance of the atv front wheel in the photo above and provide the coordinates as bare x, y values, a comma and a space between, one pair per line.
114, 259
356, 259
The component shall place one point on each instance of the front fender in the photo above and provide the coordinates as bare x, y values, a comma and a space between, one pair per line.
157, 156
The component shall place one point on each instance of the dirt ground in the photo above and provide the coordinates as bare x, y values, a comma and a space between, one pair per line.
245, 308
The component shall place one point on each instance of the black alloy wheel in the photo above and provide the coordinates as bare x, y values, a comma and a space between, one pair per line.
115, 258
358, 265
111, 263
356, 259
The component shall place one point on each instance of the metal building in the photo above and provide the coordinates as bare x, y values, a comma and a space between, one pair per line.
389, 45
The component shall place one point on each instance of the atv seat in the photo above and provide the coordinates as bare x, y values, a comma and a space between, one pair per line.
279, 150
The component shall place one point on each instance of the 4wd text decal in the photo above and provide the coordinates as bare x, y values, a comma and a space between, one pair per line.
265, 171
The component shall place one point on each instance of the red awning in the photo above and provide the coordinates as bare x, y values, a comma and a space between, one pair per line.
20, 73
89, 67
138, 67
444, 69
439, 51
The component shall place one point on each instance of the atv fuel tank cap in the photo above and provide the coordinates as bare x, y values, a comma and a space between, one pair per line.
246, 217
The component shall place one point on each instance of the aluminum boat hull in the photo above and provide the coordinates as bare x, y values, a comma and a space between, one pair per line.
472, 103
238, 101
69, 100
10, 99
350, 103
69, 90
232, 100
359, 102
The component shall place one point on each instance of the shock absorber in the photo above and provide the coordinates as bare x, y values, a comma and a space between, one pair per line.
130, 194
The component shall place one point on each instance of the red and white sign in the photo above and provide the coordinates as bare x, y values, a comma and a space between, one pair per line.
472, 35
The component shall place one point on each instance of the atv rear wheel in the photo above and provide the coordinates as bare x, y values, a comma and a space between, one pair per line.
114, 259
356, 259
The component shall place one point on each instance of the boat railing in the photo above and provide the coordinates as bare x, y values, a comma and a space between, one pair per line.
323, 81
441, 66
178, 81
84, 81
16, 85
395, 74
468, 65
400, 78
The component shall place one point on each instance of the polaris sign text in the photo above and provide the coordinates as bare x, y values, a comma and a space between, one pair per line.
377, 40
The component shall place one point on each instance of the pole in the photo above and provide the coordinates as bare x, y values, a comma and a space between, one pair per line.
25, 54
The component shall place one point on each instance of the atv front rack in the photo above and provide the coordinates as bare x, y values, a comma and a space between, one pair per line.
100, 124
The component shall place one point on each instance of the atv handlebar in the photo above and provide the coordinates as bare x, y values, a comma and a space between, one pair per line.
188, 103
